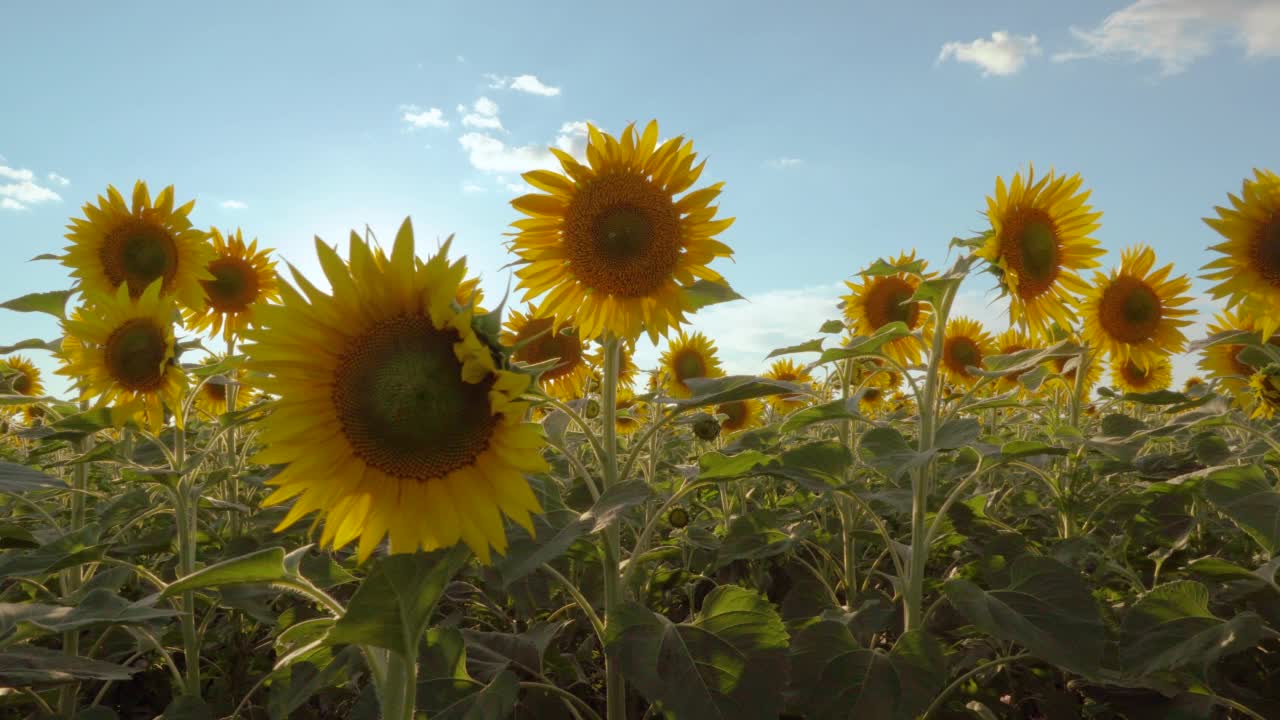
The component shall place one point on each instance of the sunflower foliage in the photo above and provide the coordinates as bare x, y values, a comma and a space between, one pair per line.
369, 494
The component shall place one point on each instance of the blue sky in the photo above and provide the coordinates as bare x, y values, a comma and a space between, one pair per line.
844, 131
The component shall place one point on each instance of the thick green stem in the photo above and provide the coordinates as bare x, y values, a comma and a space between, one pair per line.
187, 505
233, 472
400, 689
845, 508
615, 688
72, 578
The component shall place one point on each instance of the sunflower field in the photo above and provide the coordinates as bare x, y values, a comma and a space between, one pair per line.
381, 494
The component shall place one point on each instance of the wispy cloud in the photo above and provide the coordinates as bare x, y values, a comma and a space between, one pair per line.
1176, 33
417, 118
58, 179
784, 162
19, 189
490, 154
483, 114
1003, 54
234, 204
521, 83
472, 188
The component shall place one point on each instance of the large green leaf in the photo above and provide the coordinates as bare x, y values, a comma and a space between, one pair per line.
756, 535
27, 665
15, 478
1046, 608
52, 303
1171, 628
494, 701
865, 345
729, 663
717, 466
843, 409
99, 607
714, 391
1244, 494
32, 344
394, 603
702, 293
70, 550
265, 565
885, 449
814, 345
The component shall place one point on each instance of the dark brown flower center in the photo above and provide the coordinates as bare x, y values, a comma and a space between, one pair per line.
1031, 249
887, 301
623, 235
135, 355
1130, 310
234, 286
139, 252
548, 345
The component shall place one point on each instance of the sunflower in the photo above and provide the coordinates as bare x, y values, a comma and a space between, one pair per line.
1191, 383
123, 354
536, 341
1066, 368
243, 277
965, 345
609, 245
877, 300
1266, 387
1011, 341
470, 295
24, 380
627, 369
1038, 241
739, 415
788, 370
630, 413
136, 244
211, 399
1249, 271
1221, 361
688, 356
1136, 313
1131, 377
393, 417
872, 400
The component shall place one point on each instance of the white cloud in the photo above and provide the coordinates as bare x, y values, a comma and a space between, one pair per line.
461, 59
418, 118
472, 188
522, 83
484, 114
234, 205
56, 178
1003, 54
491, 154
23, 191
784, 162
1176, 33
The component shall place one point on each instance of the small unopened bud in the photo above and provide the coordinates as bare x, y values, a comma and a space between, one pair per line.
592, 409
706, 428
678, 517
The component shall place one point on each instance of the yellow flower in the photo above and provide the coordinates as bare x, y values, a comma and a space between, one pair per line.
1039, 239
609, 245
536, 341
788, 370
24, 380
1221, 362
688, 356
630, 415
470, 295
1249, 271
877, 300
1136, 313
739, 415
393, 416
1091, 376
211, 400
965, 345
243, 278
627, 369
1011, 341
1266, 387
1195, 381
122, 353
1131, 377
136, 244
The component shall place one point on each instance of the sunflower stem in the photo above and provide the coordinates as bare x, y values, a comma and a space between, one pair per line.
72, 577
615, 687
185, 513
844, 506
233, 474
399, 692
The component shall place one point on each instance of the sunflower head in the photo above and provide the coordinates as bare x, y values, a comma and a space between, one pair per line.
686, 357
609, 244
394, 416
122, 353
739, 415
965, 345
1136, 313
132, 245
243, 277
627, 369
1011, 341
22, 375
1248, 273
875, 300
788, 370
1039, 239
873, 400
1221, 361
630, 415
1192, 383
535, 341
211, 399
1266, 388
1131, 377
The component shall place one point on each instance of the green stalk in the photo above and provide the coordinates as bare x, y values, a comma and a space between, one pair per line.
615, 686
185, 512
400, 690
233, 389
72, 577
844, 506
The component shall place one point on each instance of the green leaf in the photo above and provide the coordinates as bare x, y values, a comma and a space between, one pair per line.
394, 603
613, 502
187, 707
32, 344
1171, 628
265, 565
888, 451
1017, 449
304, 679
716, 466
814, 345
1210, 448
882, 267
832, 327
730, 662
706, 292
52, 303
866, 345
1046, 608
15, 478
1159, 397
714, 391
844, 409
12, 399
1243, 494
24, 666
755, 536
956, 433
99, 607
818, 466
68, 551
494, 701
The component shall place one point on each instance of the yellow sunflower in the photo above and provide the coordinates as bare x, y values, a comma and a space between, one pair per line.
1266, 387
739, 415
877, 300
122, 354
1249, 271
25, 380
627, 369
630, 415
1068, 375
243, 278
1221, 362
788, 370
872, 400
965, 345
393, 417
1136, 313
211, 400
470, 295
1191, 383
1128, 376
1039, 239
609, 245
1011, 341
536, 341
136, 244
688, 356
